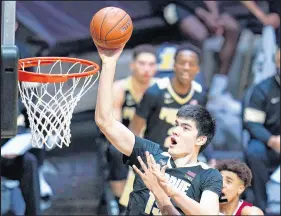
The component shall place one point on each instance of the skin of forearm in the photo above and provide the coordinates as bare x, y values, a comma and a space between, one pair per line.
164, 203
254, 9
105, 110
187, 205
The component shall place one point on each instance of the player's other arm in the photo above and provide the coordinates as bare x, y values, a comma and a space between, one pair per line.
143, 110
209, 202
120, 136
251, 211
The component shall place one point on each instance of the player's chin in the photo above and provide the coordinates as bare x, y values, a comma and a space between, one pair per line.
172, 151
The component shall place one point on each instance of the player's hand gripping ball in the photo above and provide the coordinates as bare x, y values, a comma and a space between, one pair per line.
111, 28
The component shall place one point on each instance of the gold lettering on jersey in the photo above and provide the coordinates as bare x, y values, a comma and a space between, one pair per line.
178, 183
168, 115
128, 112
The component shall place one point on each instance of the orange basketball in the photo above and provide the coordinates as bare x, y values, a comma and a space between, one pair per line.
111, 27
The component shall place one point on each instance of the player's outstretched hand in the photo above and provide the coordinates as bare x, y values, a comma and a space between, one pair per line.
109, 54
161, 178
149, 179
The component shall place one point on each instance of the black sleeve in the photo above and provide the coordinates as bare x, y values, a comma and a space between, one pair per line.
140, 147
148, 102
254, 116
211, 180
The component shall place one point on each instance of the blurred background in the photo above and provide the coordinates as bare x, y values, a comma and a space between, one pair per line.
72, 181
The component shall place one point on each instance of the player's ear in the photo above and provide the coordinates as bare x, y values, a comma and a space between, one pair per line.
241, 189
132, 66
201, 140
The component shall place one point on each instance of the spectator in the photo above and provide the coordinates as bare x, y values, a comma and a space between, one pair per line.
261, 119
201, 19
272, 18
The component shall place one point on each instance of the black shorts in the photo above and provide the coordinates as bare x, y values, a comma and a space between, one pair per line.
117, 169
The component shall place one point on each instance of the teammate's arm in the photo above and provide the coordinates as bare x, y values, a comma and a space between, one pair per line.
119, 135
143, 111
118, 99
253, 210
137, 125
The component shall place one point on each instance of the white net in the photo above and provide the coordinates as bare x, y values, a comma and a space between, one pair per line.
50, 105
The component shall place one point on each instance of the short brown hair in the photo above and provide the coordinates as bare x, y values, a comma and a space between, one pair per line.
143, 48
237, 167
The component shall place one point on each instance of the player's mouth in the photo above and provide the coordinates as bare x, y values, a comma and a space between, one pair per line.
223, 198
173, 142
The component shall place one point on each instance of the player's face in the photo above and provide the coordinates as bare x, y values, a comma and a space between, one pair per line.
184, 139
233, 186
186, 66
144, 67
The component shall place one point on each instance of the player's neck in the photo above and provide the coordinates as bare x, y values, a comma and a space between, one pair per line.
180, 88
138, 86
187, 160
229, 208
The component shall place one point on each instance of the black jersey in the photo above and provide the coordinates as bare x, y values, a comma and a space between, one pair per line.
131, 100
193, 179
262, 111
159, 108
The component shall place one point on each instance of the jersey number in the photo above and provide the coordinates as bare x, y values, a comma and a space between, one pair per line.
149, 206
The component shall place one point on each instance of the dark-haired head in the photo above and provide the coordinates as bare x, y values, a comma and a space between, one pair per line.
188, 47
239, 168
236, 178
144, 64
143, 48
194, 129
204, 121
187, 64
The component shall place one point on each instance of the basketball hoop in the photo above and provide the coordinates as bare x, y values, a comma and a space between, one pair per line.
50, 98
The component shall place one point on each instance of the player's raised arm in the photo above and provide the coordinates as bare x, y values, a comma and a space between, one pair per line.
118, 135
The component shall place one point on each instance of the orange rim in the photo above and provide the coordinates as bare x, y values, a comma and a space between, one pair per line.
25, 76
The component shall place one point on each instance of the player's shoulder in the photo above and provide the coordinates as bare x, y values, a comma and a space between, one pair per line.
265, 86
121, 85
209, 172
197, 87
162, 83
251, 210
157, 86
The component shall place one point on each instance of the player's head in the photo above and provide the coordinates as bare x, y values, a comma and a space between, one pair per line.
187, 63
193, 131
236, 178
144, 64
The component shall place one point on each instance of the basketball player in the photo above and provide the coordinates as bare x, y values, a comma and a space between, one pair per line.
127, 93
161, 102
236, 178
195, 128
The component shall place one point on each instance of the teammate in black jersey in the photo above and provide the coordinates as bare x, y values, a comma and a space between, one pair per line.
161, 102
127, 93
195, 128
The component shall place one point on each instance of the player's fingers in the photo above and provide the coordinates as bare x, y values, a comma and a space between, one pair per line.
138, 171
152, 159
143, 166
148, 160
163, 169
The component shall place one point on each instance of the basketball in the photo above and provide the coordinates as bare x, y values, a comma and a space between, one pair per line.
111, 27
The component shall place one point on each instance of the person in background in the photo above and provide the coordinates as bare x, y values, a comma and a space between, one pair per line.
261, 119
271, 19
